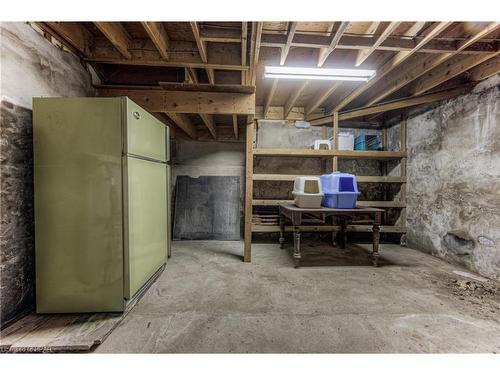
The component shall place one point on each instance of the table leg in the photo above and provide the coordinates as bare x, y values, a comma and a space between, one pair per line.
334, 234
376, 238
282, 231
343, 232
296, 246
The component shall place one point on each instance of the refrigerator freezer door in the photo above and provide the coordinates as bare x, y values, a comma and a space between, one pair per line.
78, 204
146, 247
146, 135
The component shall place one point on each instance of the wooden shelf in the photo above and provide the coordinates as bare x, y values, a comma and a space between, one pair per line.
359, 179
264, 222
292, 152
256, 228
270, 202
377, 204
381, 204
342, 154
380, 155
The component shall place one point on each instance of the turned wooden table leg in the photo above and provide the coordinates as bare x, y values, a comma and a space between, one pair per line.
376, 238
334, 234
296, 246
282, 231
343, 232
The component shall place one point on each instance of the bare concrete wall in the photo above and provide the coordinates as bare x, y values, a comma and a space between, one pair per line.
453, 190
29, 66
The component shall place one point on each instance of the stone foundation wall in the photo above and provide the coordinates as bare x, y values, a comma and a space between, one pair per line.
30, 66
453, 190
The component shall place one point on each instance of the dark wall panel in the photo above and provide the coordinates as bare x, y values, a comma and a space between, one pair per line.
207, 208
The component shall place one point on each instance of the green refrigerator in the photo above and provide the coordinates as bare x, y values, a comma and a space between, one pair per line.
102, 216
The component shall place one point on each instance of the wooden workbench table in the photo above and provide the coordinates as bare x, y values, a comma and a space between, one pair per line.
341, 215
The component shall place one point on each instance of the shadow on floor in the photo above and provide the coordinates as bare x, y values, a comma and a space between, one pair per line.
318, 254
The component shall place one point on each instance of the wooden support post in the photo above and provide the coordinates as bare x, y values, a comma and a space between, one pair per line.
324, 163
402, 193
384, 170
335, 140
247, 252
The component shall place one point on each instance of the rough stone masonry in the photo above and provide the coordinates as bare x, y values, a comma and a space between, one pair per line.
453, 190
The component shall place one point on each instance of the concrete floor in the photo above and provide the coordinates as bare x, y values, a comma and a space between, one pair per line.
208, 301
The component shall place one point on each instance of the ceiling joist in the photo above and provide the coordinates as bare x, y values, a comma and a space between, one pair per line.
75, 34
446, 71
117, 35
364, 54
159, 37
209, 122
418, 68
397, 104
270, 95
286, 47
255, 52
320, 98
325, 52
235, 126
395, 61
184, 123
293, 98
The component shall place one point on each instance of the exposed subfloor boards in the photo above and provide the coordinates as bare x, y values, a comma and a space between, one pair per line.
49, 333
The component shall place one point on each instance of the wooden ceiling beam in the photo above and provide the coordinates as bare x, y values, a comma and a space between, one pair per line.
244, 36
293, 98
186, 101
73, 33
395, 61
254, 52
270, 95
202, 50
201, 45
364, 54
485, 70
161, 62
220, 35
475, 37
419, 67
235, 126
392, 43
184, 123
205, 87
191, 76
211, 76
209, 122
158, 35
451, 68
117, 35
397, 104
320, 98
286, 47
325, 52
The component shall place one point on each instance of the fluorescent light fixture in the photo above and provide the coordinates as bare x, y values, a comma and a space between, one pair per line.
285, 72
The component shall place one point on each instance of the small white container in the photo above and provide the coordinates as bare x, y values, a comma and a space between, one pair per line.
307, 200
307, 185
346, 141
322, 144
307, 192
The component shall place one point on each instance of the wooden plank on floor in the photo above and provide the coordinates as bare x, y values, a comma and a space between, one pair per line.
37, 333
19, 329
88, 330
38, 339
